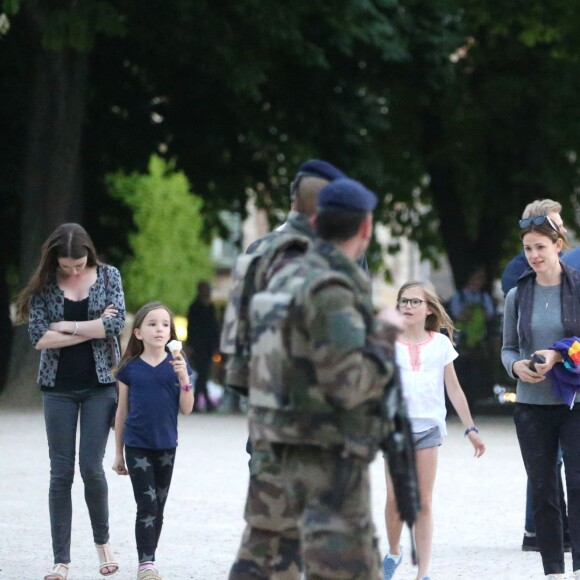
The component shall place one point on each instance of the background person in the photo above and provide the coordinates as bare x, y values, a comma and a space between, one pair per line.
75, 307
473, 313
203, 341
471, 308
542, 309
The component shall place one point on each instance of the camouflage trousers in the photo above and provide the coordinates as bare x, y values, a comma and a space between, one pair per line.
310, 505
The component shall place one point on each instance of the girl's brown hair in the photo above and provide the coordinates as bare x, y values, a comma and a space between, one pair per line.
135, 346
67, 241
438, 318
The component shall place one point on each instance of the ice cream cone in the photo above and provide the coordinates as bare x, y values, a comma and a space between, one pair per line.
175, 347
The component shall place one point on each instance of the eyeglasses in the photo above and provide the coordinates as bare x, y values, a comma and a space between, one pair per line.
537, 221
412, 302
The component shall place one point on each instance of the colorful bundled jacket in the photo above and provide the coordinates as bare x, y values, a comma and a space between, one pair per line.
566, 375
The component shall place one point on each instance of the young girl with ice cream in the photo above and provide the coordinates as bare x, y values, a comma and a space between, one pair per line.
154, 385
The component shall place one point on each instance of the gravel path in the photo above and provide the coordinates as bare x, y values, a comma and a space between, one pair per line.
479, 505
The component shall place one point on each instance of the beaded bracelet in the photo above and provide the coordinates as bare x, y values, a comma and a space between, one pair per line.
186, 388
469, 429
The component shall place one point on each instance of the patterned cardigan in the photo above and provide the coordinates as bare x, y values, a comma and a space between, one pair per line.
48, 306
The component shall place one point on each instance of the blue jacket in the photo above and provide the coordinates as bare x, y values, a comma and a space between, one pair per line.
513, 271
572, 258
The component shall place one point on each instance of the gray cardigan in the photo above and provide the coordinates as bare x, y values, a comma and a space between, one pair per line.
547, 328
48, 306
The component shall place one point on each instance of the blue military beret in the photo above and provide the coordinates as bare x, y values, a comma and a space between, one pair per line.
319, 168
346, 195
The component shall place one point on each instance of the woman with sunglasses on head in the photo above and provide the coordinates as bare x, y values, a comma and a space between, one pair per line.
543, 309
425, 358
539, 208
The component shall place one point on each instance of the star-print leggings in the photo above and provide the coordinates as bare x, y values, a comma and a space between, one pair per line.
150, 471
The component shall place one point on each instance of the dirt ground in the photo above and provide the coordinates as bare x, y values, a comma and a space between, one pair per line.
479, 505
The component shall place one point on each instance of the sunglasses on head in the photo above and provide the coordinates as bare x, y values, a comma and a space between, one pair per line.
537, 221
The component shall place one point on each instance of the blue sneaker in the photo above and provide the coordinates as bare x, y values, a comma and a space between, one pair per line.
424, 578
390, 564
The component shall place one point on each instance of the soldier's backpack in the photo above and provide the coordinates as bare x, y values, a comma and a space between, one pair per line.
250, 275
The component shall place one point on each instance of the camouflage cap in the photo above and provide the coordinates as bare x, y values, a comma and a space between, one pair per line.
346, 195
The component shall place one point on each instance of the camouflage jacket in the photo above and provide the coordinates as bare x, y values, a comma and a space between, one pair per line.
235, 341
320, 362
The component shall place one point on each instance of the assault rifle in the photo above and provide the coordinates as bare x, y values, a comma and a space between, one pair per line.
400, 454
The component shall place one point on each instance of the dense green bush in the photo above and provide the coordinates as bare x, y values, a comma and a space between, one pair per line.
169, 256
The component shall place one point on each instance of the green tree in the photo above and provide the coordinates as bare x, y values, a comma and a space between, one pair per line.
468, 109
486, 115
169, 256
50, 43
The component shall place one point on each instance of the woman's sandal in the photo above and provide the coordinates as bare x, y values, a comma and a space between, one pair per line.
106, 560
59, 572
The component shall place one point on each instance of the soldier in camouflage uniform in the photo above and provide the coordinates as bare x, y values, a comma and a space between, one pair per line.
311, 177
320, 362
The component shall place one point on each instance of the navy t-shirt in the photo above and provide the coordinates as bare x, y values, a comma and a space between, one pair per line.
153, 404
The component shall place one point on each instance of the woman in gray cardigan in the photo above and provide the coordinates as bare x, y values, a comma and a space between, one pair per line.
75, 309
541, 310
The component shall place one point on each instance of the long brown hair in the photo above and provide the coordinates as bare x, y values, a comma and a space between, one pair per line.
67, 241
438, 319
135, 346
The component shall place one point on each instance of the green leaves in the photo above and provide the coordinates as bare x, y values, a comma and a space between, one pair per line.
11, 7
168, 255
77, 26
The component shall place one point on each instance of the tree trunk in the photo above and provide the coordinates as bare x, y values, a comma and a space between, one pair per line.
5, 326
51, 186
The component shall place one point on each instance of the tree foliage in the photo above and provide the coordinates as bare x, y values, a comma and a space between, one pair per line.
456, 113
169, 257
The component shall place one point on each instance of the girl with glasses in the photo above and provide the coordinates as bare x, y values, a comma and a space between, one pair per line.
425, 359
541, 310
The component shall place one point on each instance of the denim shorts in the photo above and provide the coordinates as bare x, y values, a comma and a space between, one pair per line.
429, 438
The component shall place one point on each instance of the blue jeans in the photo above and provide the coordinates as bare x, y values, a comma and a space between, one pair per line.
61, 414
541, 431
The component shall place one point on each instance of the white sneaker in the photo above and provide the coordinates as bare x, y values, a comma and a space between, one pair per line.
556, 576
